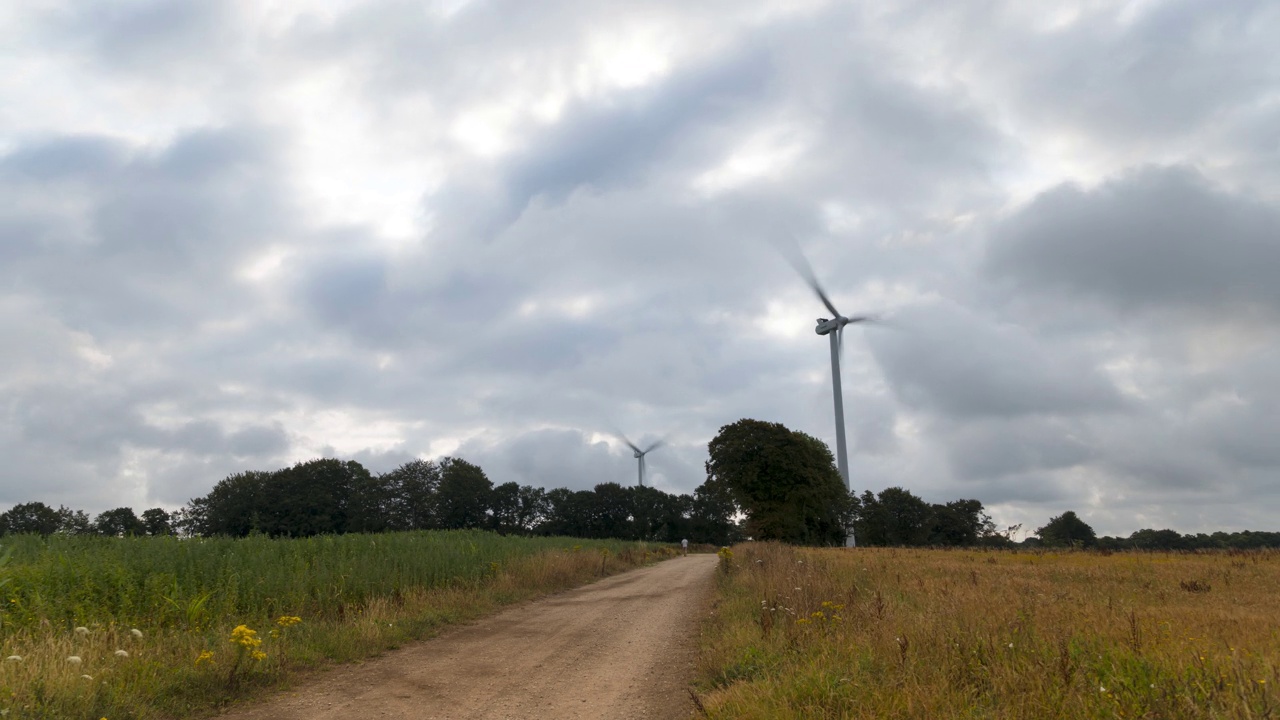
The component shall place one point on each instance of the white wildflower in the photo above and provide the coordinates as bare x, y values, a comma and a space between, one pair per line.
82, 631
13, 658
122, 653
74, 659
86, 677
136, 633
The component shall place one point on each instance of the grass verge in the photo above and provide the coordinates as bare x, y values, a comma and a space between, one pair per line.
885, 633
147, 628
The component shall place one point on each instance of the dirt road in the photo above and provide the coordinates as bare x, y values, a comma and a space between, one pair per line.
620, 648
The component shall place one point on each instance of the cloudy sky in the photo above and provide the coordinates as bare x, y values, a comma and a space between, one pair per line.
239, 234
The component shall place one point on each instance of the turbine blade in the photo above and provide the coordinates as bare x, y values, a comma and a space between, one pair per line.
811, 280
880, 320
801, 265
656, 444
624, 439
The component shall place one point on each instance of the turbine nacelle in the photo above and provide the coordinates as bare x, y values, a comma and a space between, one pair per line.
826, 327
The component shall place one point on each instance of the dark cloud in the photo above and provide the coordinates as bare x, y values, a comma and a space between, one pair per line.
996, 448
949, 359
1155, 238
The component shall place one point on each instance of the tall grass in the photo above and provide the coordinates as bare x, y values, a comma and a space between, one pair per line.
881, 633
151, 619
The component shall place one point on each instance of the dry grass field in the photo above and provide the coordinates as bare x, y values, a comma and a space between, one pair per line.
892, 633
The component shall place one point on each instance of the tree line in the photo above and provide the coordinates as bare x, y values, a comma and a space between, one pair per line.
1068, 530
764, 481
331, 496
36, 518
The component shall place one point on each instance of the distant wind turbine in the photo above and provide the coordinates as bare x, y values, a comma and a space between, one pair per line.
639, 454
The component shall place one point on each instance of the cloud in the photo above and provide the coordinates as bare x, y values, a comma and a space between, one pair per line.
948, 359
1156, 238
239, 236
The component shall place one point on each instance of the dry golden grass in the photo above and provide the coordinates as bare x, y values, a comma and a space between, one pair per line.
886, 633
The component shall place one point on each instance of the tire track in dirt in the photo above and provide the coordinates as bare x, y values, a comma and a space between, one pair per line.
622, 648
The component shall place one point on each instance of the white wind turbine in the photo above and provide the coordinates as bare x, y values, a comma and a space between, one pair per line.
832, 327
639, 454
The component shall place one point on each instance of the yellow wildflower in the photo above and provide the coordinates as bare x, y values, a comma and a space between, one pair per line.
205, 656
288, 620
245, 637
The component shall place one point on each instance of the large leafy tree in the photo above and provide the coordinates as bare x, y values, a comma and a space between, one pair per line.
613, 512
236, 506
320, 497
711, 517
572, 513
74, 522
157, 521
1067, 530
411, 502
464, 495
119, 521
894, 517
784, 481
33, 517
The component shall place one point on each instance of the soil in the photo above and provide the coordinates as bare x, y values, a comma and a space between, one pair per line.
620, 648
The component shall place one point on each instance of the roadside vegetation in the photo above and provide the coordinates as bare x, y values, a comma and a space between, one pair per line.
916, 633
160, 627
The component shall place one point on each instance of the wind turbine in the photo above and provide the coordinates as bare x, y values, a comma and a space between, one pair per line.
832, 327
640, 453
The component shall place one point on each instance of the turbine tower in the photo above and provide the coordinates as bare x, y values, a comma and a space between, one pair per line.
639, 454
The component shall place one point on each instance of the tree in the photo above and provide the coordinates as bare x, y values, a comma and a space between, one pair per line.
234, 507
533, 508
119, 522
784, 481
157, 522
464, 495
658, 516
959, 523
1067, 530
34, 517
411, 496
321, 497
570, 513
711, 517
613, 512
894, 517
1148, 539
74, 522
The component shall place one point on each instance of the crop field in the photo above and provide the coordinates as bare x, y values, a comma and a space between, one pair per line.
161, 627
883, 633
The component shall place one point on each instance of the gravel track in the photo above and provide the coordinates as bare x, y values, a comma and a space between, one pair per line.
620, 648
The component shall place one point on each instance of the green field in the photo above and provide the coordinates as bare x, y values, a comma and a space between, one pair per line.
150, 621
